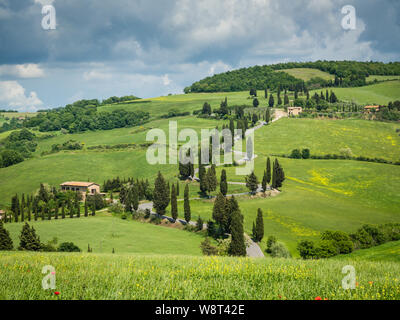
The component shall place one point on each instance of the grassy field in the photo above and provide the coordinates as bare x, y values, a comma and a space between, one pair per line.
387, 252
105, 233
93, 276
308, 73
382, 78
380, 93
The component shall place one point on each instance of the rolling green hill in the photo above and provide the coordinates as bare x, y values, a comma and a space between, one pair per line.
386, 252
380, 93
317, 194
105, 233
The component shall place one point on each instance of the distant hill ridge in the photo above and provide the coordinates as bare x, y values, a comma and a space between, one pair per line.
347, 74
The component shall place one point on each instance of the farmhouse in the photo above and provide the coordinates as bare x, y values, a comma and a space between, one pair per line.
368, 109
294, 111
82, 187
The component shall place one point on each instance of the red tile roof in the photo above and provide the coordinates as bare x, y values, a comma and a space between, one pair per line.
78, 184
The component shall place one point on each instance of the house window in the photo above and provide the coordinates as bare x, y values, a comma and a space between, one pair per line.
93, 191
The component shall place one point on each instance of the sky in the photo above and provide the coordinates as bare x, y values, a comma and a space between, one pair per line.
150, 48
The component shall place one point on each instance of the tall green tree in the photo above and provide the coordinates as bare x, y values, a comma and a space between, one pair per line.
223, 185
174, 203
5, 239
252, 182
203, 179
268, 170
237, 246
186, 205
271, 101
28, 239
259, 226
219, 209
160, 194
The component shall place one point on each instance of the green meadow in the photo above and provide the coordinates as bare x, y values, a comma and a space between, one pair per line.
104, 233
381, 93
308, 73
170, 277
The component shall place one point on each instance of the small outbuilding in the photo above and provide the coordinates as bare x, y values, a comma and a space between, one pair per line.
294, 111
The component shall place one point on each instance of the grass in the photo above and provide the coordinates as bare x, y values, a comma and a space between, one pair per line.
386, 252
308, 73
381, 93
364, 138
112, 277
104, 233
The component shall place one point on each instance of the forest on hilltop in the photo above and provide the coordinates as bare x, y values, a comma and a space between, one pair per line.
347, 74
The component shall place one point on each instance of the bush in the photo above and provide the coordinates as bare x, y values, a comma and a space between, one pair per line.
270, 242
306, 249
124, 216
207, 248
68, 247
279, 250
295, 154
305, 153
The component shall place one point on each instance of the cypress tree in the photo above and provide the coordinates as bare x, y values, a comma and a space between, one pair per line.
265, 93
36, 214
186, 205
63, 211
5, 239
268, 170
177, 188
29, 212
93, 209
86, 208
271, 101
259, 226
56, 210
22, 210
219, 210
286, 100
223, 186
252, 182
135, 198
28, 239
43, 212
174, 203
160, 194
237, 246
203, 179
264, 181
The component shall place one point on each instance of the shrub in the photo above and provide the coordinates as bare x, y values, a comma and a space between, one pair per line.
223, 246
270, 242
279, 250
295, 154
207, 248
305, 153
68, 247
124, 216
199, 224
306, 249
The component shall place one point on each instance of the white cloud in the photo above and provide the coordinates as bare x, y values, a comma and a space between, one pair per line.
13, 94
96, 75
27, 70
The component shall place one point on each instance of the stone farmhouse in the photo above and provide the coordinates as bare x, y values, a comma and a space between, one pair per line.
84, 188
294, 111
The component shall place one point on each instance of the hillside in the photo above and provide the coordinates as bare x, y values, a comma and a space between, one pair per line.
111, 277
387, 252
317, 194
104, 233
331, 73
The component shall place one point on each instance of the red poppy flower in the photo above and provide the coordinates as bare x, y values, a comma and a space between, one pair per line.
56, 293
318, 298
